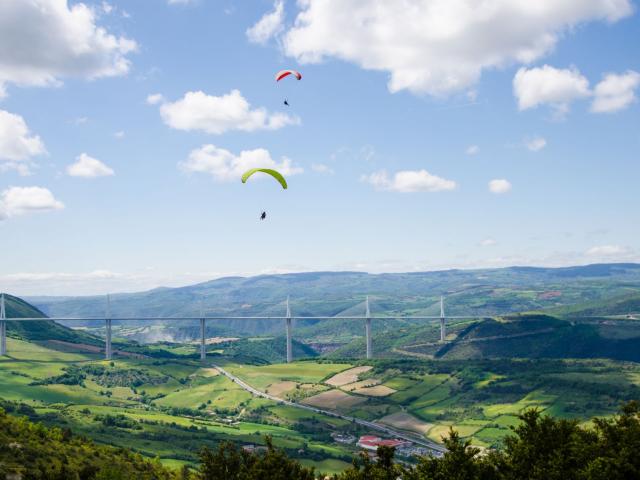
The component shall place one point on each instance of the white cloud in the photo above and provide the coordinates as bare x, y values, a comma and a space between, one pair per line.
615, 92
488, 242
549, 85
408, 181
322, 168
216, 115
269, 25
606, 251
119, 134
499, 185
106, 7
180, 2
225, 166
472, 150
88, 167
155, 98
43, 41
39, 276
535, 144
440, 46
17, 144
16, 201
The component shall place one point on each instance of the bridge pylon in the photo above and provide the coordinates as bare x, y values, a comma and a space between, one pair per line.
108, 353
367, 329
288, 330
203, 342
443, 325
3, 327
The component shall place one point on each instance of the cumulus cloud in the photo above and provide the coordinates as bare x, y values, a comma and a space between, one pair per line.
216, 115
225, 166
535, 144
322, 168
408, 181
548, 85
43, 41
606, 251
17, 144
16, 201
269, 25
472, 150
88, 167
615, 92
155, 99
499, 186
441, 46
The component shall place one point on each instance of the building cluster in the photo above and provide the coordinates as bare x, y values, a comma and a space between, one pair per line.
371, 443
404, 448
343, 438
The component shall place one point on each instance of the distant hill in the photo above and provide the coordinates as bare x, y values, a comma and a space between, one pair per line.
39, 330
540, 336
484, 292
619, 305
271, 350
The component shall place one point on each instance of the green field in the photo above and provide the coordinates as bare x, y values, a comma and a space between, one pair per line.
168, 404
169, 407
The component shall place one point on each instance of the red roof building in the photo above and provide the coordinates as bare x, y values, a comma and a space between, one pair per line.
371, 442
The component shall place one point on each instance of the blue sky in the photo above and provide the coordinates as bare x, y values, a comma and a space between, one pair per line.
431, 136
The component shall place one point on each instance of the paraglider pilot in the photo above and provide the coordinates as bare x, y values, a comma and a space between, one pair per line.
263, 215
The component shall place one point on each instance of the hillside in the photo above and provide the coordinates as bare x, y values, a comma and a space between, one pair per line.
468, 292
537, 336
38, 452
619, 305
39, 330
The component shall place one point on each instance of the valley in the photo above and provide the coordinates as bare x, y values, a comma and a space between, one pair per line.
573, 361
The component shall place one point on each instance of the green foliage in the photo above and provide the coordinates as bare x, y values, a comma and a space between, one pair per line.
120, 421
230, 463
40, 453
382, 469
123, 377
540, 448
264, 350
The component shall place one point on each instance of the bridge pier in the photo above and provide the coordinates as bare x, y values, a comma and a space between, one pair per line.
107, 338
203, 343
367, 330
3, 327
443, 326
288, 329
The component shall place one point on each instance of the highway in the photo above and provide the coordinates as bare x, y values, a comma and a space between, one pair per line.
372, 425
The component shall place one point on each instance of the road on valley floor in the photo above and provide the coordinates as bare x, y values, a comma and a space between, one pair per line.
372, 425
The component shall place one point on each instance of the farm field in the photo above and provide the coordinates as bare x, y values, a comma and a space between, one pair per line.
170, 407
481, 401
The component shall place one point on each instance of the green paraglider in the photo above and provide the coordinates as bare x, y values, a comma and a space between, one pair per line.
275, 174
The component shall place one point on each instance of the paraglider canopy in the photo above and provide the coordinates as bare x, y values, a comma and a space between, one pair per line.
275, 174
285, 73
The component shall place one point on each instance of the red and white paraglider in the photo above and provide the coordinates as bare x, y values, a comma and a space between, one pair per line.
285, 73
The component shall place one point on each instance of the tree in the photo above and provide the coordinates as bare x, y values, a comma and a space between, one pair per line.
460, 462
228, 462
382, 469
